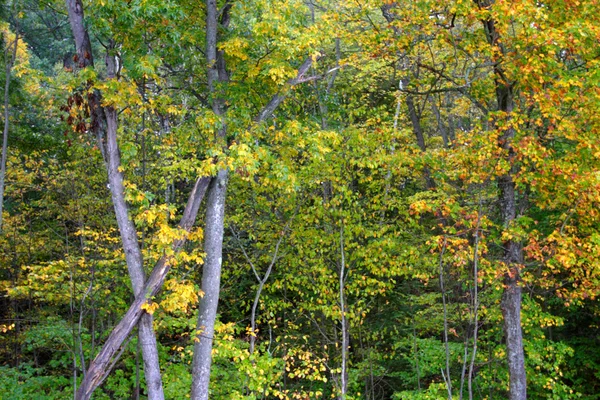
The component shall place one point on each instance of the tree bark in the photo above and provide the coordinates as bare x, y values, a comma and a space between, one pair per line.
418, 131
475, 302
215, 213
420, 139
441, 127
100, 367
261, 283
278, 98
513, 251
445, 312
9, 63
343, 319
105, 125
513, 258
211, 283
133, 252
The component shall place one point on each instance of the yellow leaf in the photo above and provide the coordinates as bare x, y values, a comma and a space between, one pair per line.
149, 307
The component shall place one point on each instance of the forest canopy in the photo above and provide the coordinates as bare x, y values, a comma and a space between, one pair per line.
300, 199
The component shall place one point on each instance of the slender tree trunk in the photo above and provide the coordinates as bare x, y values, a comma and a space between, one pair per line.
418, 131
344, 320
445, 310
513, 258
100, 367
215, 214
9, 62
441, 127
513, 251
261, 284
133, 253
414, 119
464, 366
211, 282
511, 306
105, 125
475, 302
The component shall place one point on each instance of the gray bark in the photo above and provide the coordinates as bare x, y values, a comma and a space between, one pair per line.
211, 271
513, 251
441, 127
133, 252
105, 126
100, 367
84, 59
261, 284
418, 131
215, 214
414, 119
475, 302
211, 282
511, 310
343, 320
9, 63
277, 99
513, 257
445, 309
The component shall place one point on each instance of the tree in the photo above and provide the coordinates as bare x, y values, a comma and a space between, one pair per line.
104, 126
10, 58
396, 192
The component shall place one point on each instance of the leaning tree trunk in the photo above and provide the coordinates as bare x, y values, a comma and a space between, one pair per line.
100, 367
105, 125
133, 253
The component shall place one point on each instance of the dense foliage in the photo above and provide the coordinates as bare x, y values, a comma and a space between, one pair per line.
435, 170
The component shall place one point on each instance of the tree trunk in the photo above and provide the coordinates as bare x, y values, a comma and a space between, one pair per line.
441, 127
445, 313
511, 298
513, 251
343, 319
9, 63
100, 367
418, 131
211, 282
215, 213
105, 125
513, 257
511, 311
261, 285
133, 253
475, 302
